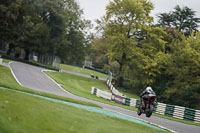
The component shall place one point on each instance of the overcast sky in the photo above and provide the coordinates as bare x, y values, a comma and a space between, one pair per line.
94, 9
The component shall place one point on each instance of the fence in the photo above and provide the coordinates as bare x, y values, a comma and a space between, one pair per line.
100, 93
161, 108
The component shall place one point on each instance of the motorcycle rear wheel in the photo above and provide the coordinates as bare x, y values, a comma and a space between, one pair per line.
139, 112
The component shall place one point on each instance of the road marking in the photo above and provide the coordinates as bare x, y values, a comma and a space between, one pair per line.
54, 80
14, 74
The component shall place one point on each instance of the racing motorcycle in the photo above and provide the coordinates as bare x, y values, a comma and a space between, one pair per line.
147, 105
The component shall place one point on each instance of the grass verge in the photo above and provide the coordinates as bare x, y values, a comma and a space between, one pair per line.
27, 114
81, 70
6, 60
81, 86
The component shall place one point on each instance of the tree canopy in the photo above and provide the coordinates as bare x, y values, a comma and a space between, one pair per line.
164, 56
54, 27
183, 19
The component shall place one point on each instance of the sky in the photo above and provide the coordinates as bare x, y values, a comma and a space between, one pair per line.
95, 9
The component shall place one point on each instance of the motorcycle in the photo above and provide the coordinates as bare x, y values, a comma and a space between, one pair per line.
147, 105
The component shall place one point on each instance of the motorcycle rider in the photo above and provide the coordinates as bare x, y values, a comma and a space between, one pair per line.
144, 95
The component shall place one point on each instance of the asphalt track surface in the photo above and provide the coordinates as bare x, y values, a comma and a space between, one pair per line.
34, 78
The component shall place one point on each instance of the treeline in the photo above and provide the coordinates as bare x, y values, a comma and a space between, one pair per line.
165, 56
54, 27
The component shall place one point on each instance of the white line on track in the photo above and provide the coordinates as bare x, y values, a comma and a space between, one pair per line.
54, 80
14, 74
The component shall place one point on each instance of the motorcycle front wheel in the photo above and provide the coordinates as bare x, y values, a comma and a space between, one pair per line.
149, 113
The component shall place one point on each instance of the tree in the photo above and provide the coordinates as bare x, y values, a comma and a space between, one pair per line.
143, 67
165, 19
98, 53
9, 13
183, 19
56, 28
172, 35
178, 82
123, 22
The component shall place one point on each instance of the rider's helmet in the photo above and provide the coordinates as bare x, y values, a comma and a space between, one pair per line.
149, 89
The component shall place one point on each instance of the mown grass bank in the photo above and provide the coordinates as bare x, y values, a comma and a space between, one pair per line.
81, 70
81, 86
27, 114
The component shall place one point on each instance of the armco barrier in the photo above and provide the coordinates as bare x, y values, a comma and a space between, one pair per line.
169, 110
116, 92
127, 101
189, 114
161, 108
179, 112
133, 102
118, 99
111, 87
94, 91
137, 103
197, 116
100, 93
104, 94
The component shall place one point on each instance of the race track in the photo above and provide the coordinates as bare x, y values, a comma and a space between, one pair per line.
33, 77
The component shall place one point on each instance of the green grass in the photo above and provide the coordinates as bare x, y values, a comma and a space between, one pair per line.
22, 113
88, 72
81, 70
6, 60
81, 86
128, 93
7, 80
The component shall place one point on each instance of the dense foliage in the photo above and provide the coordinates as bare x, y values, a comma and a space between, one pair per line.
165, 56
55, 27
183, 19
162, 56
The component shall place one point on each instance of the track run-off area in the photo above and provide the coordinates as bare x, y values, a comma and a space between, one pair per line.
34, 78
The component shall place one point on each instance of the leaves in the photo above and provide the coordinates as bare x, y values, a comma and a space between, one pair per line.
183, 19
45, 27
148, 55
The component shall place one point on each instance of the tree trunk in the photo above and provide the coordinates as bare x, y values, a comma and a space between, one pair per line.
10, 48
27, 52
120, 79
17, 55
